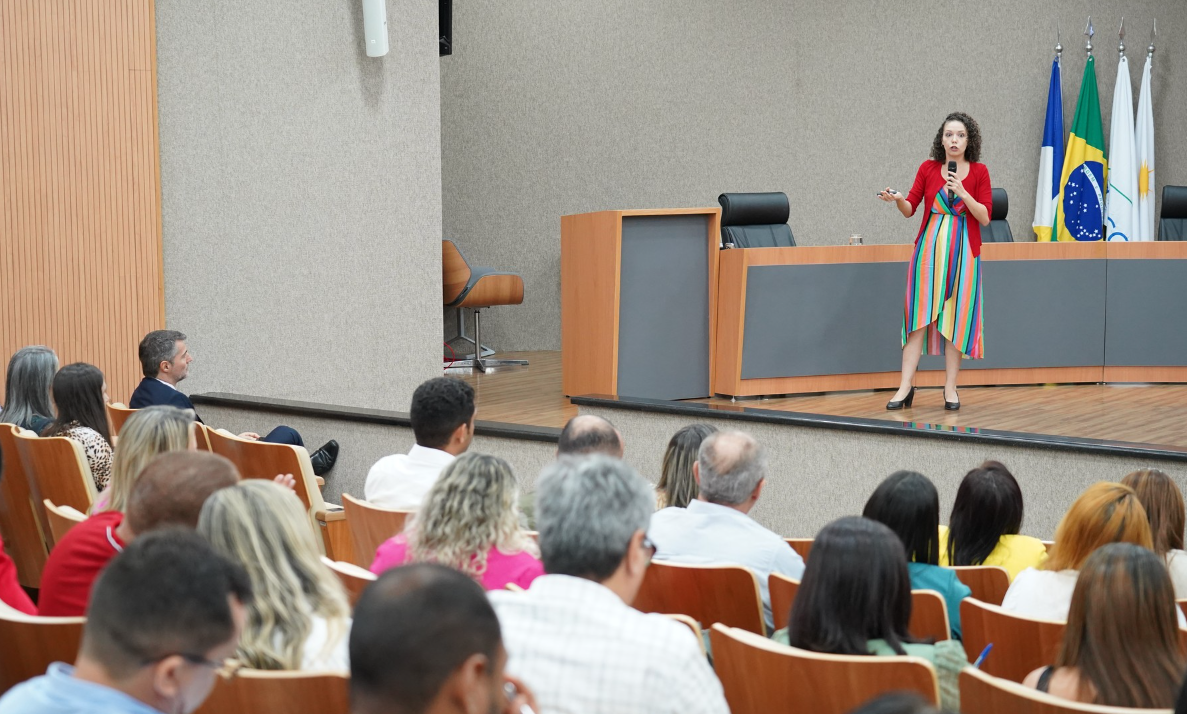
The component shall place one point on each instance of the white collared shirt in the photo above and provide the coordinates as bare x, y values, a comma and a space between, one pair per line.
171, 386
402, 480
710, 534
582, 650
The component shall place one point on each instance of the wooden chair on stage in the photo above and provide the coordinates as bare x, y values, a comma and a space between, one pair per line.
251, 691
58, 470
929, 614
259, 459
1020, 644
982, 693
728, 594
118, 413
801, 546
20, 524
477, 288
989, 583
760, 676
354, 578
370, 526
61, 519
32, 643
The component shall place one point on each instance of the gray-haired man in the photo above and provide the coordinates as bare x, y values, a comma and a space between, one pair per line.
573, 637
716, 529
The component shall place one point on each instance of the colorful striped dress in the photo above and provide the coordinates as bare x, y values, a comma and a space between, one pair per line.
944, 282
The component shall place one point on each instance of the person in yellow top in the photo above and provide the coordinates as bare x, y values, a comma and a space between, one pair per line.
986, 517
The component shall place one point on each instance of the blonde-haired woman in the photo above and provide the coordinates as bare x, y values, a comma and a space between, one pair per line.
299, 617
469, 521
147, 433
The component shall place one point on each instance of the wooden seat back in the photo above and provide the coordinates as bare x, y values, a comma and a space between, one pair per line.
760, 676
118, 414
989, 583
58, 470
1020, 644
61, 519
202, 436
929, 613
31, 643
21, 526
728, 594
801, 546
982, 693
352, 577
692, 625
370, 526
455, 272
253, 691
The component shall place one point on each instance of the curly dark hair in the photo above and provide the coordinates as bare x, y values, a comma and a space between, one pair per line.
972, 152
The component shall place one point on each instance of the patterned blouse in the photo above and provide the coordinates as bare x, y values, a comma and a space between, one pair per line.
96, 448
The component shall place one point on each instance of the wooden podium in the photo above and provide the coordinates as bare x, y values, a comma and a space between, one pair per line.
639, 302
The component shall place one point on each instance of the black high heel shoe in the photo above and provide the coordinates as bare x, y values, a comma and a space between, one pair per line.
904, 402
952, 406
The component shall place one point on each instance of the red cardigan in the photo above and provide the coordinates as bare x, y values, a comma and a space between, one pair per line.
10, 590
930, 179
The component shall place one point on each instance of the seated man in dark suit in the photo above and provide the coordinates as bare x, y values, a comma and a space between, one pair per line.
165, 361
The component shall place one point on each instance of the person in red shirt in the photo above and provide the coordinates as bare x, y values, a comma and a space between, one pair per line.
170, 491
11, 593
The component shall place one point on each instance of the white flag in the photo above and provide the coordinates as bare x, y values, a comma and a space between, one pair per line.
1121, 201
1144, 143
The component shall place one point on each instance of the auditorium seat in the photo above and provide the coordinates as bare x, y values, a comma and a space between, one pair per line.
982, 693
728, 594
32, 643
61, 519
251, 691
998, 230
58, 470
802, 546
760, 676
370, 526
464, 285
1020, 644
21, 526
755, 220
1172, 218
118, 413
695, 627
929, 614
353, 577
989, 583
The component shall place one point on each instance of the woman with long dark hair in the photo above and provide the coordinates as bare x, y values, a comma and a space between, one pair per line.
986, 517
80, 394
1163, 502
26, 388
1121, 645
855, 599
677, 485
908, 503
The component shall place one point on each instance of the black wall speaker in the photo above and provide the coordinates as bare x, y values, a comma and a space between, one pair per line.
445, 25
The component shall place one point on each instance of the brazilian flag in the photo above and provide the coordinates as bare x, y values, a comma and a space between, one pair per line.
1080, 211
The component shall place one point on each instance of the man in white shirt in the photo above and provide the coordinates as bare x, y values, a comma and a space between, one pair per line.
715, 529
573, 636
442, 418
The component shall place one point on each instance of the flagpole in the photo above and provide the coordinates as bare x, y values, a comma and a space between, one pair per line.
1089, 32
1121, 38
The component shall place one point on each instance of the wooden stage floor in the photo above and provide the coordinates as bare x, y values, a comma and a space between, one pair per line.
1142, 413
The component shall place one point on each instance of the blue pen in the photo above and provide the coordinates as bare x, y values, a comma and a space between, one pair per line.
981, 657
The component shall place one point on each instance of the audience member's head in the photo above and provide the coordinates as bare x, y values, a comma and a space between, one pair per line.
173, 487
896, 703
164, 356
471, 508
1163, 503
593, 513
27, 385
730, 468
442, 414
263, 527
677, 483
855, 588
909, 504
1122, 631
147, 433
165, 614
589, 434
1105, 513
425, 638
80, 394
988, 506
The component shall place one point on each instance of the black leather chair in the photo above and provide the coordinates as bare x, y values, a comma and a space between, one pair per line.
998, 230
1172, 220
755, 220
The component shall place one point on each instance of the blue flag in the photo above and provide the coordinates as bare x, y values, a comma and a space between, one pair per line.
1050, 159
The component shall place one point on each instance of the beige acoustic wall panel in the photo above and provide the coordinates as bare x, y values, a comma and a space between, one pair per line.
80, 228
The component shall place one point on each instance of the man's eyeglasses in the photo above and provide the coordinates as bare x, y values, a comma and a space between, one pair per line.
226, 668
648, 546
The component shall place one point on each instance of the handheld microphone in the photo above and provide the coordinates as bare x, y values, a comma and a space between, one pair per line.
951, 170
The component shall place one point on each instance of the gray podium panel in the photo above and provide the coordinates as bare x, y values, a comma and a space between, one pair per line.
663, 309
846, 318
1146, 312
